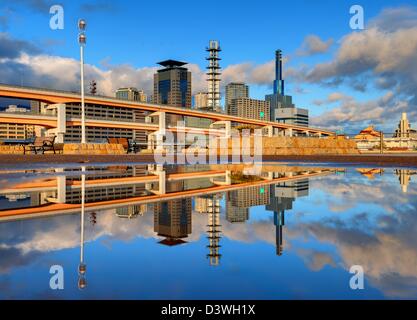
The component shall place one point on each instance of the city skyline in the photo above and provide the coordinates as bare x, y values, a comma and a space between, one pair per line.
321, 64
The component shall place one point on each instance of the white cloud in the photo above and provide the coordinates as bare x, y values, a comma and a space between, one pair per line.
314, 45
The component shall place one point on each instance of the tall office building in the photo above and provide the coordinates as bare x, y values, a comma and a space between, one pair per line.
131, 94
213, 76
235, 90
172, 85
282, 108
250, 108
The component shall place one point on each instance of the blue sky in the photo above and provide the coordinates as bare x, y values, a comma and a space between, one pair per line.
129, 37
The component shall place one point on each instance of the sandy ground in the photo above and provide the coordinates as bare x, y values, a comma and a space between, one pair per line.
398, 160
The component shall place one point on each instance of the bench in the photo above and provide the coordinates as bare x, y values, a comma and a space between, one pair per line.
128, 145
41, 144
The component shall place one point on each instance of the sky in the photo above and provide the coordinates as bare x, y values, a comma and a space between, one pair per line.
348, 79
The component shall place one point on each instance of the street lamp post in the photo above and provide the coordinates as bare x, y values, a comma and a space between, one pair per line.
82, 41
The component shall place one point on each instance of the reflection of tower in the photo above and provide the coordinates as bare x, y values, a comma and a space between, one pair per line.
404, 176
278, 82
82, 268
172, 220
213, 76
282, 197
210, 205
279, 222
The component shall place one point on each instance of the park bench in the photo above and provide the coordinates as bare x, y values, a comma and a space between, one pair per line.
41, 144
128, 145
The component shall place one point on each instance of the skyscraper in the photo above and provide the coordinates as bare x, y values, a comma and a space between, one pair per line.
213, 76
172, 85
235, 90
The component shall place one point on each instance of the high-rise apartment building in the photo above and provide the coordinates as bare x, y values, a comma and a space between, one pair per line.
131, 94
235, 90
201, 100
250, 108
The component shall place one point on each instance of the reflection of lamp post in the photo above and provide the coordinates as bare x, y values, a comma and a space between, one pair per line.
82, 268
82, 41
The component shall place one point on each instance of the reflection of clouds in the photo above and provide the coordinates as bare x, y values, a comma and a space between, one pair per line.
383, 242
388, 254
342, 195
316, 260
21, 242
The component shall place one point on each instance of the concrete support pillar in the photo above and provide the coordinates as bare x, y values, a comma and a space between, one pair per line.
269, 131
224, 125
289, 132
156, 139
60, 112
159, 171
227, 181
61, 189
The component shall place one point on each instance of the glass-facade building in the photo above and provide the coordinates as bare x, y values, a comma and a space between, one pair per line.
172, 85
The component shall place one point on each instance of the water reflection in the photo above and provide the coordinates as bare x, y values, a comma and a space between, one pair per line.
218, 207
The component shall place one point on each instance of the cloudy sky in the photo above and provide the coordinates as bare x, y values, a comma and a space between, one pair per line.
346, 78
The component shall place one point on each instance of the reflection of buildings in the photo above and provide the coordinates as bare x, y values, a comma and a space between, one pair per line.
131, 211
172, 219
210, 205
236, 214
405, 176
238, 202
282, 197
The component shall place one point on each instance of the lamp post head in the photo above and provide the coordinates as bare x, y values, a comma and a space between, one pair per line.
82, 24
82, 39
82, 268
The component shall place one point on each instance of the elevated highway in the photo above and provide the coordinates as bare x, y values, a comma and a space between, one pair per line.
63, 97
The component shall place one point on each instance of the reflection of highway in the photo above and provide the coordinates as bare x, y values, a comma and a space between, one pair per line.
143, 185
